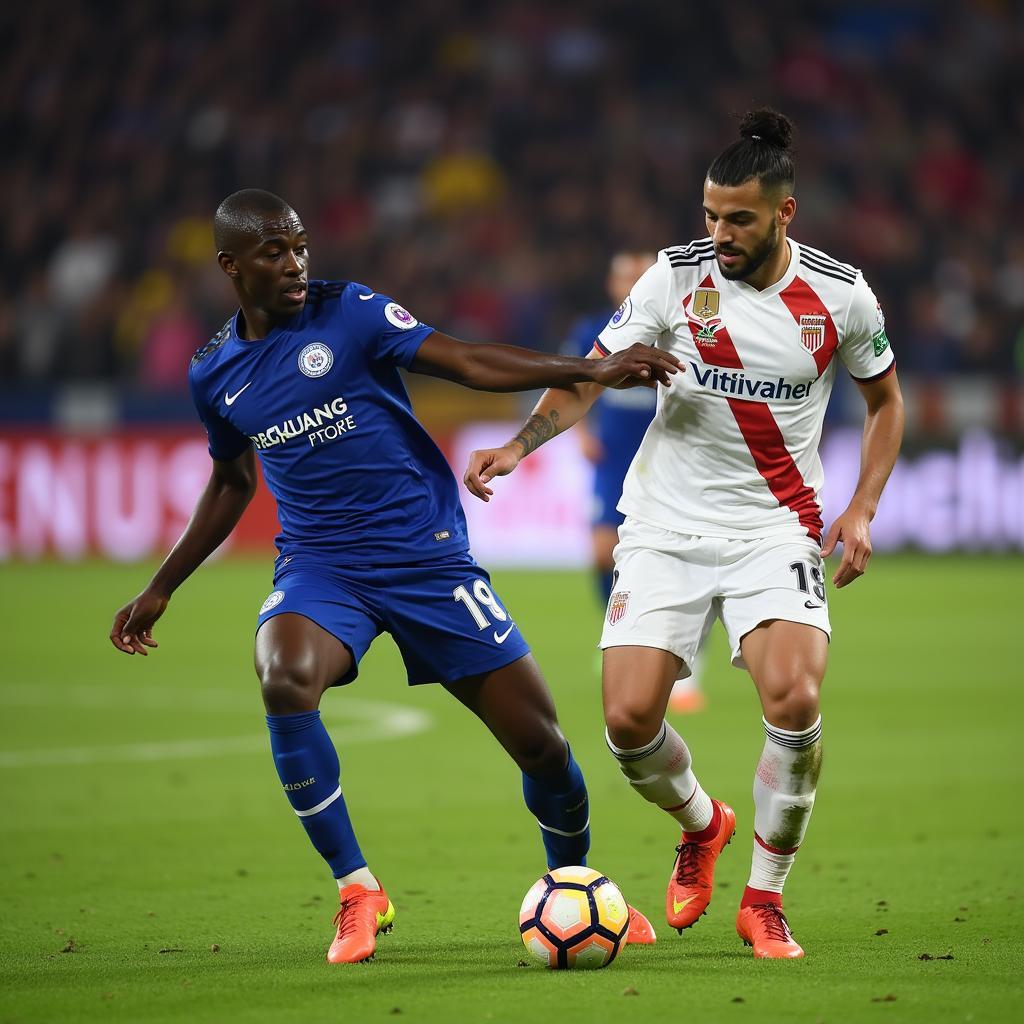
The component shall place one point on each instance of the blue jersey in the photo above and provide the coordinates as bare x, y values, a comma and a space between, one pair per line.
619, 419
355, 476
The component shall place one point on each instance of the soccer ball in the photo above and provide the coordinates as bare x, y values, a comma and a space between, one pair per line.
574, 918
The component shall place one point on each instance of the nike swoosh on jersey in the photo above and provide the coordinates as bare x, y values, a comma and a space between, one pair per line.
500, 639
812, 605
230, 399
678, 905
365, 297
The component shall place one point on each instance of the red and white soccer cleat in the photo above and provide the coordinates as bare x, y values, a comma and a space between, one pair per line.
764, 926
689, 887
641, 931
363, 915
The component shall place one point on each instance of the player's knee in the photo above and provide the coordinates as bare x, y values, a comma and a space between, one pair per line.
287, 689
629, 725
794, 706
542, 753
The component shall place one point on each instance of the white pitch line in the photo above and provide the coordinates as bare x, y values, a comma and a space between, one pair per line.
363, 721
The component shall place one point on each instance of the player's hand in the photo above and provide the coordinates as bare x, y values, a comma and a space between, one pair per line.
132, 631
636, 366
853, 530
488, 463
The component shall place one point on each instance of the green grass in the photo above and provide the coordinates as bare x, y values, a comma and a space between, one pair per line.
139, 867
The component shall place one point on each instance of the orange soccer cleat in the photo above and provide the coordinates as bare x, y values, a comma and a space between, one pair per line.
689, 887
641, 931
764, 926
363, 915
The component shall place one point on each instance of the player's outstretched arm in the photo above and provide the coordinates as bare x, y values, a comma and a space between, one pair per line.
557, 410
508, 368
883, 433
220, 506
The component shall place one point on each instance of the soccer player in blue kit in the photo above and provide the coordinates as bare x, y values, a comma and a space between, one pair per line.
373, 538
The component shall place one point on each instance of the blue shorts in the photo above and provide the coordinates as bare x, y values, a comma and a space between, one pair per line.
442, 614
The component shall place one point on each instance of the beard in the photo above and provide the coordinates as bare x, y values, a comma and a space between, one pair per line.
755, 258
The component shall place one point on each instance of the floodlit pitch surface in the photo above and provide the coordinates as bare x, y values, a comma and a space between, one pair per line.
152, 869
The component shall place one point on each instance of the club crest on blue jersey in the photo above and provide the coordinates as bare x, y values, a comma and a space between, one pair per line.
272, 601
316, 359
399, 316
622, 314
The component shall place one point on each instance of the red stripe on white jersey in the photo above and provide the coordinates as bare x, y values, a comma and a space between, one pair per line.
802, 300
760, 431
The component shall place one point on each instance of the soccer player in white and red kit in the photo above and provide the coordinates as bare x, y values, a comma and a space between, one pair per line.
723, 508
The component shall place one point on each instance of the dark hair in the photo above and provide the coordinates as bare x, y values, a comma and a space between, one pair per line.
241, 215
762, 151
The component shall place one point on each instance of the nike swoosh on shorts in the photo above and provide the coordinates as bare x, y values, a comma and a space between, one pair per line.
500, 639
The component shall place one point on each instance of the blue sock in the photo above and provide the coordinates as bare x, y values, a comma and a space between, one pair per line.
562, 810
307, 765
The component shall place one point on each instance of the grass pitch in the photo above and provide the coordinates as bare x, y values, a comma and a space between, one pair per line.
152, 869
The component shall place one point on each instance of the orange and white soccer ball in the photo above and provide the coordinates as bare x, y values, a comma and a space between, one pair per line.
574, 917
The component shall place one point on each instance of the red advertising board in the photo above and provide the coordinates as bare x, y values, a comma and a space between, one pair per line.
120, 496
126, 496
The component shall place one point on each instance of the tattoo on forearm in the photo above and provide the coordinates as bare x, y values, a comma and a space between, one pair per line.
536, 430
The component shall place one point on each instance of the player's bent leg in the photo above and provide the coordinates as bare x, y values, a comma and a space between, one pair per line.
658, 765
514, 702
787, 662
635, 686
297, 661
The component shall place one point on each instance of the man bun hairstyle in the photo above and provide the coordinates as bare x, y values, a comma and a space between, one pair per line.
763, 151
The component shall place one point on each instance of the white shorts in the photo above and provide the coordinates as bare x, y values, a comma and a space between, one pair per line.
670, 587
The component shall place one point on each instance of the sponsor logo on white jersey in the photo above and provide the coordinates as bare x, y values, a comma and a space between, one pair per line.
315, 359
736, 383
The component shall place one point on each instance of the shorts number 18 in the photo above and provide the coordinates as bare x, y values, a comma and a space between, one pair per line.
482, 595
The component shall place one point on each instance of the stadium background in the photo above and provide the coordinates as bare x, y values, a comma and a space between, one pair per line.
480, 162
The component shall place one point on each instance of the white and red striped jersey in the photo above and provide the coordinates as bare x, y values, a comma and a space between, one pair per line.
733, 448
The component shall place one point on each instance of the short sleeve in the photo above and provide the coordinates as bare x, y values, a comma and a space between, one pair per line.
389, 331
864, 349
223, 440
643, 316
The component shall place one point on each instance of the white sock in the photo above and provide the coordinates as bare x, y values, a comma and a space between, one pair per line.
660, 772
784, 787
361, 876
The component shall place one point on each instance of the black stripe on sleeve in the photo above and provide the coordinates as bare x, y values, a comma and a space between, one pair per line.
877, 376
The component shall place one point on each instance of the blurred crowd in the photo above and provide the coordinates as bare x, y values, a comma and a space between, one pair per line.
480, 161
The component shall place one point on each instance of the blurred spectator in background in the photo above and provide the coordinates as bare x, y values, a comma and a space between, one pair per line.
481, 159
